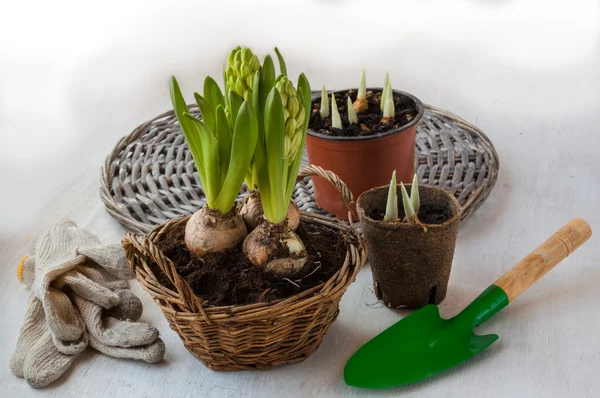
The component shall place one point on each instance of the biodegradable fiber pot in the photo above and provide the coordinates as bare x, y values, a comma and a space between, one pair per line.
410, 267
362, 162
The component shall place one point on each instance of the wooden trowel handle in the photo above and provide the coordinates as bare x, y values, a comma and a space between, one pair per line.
544, 258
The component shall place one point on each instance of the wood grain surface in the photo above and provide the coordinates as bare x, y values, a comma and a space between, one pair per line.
545, 257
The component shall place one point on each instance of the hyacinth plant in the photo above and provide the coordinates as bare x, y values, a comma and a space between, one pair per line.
411, 204
239, 76
360, 104
256, 132
283, 115
222, 148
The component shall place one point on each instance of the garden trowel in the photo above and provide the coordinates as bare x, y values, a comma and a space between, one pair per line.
423, 344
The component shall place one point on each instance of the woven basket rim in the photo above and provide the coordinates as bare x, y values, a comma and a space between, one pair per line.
305, 217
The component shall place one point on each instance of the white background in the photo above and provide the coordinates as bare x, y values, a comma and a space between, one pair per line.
76, 75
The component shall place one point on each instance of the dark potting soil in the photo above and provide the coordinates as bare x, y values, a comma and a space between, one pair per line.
434, 214
429, 214
369, 121
229, 278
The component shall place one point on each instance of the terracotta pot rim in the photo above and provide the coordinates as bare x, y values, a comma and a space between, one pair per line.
403, 225
415, 120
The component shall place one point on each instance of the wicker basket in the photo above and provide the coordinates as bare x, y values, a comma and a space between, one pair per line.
256, 336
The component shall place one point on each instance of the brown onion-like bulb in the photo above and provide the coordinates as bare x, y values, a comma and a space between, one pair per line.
252, 212
208, 231
276, 250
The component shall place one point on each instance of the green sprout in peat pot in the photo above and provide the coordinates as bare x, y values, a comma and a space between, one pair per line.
391, 207
241, 84
283, 114
222, 148
411, 204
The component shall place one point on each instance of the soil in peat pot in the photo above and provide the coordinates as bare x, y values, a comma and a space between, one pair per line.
369, 121
428, 214
229, 278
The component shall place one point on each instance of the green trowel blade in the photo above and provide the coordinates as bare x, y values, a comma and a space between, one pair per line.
423, 344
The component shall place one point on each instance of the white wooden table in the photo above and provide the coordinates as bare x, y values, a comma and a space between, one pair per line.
534, 88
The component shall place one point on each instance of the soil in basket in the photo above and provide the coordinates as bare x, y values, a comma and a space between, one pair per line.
230, 279
369, 121
428, 214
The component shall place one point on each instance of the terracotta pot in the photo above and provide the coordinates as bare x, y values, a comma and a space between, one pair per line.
362, 162
410, 266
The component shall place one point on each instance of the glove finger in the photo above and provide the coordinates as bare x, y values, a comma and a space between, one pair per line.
129, 307
71, 347
87, 289
151, 353
32, 330
63, 318
44, 363
117, 285
111, 258
101, 276
111, 331
128, 333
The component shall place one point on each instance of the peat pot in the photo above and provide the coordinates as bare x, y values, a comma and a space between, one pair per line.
410, 263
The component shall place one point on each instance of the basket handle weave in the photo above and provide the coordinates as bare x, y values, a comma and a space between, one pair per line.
334, 180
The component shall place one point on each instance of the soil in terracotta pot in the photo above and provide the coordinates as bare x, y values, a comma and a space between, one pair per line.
429, 214
230, 279
369, 121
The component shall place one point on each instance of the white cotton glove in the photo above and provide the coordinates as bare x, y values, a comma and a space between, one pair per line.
118, 335
36, 357
78, 296
56, 265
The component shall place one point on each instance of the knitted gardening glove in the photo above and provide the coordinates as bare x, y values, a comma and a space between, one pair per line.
115, 332
90, 287
78, 286
56, 264
36, 357
38, 360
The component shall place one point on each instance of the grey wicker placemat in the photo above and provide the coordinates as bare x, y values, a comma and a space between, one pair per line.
150, 177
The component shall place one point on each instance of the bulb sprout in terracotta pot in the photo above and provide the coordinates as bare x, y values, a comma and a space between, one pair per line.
361, 104
362, 135
410, 247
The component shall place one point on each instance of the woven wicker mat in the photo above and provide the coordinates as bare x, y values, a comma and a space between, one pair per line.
150, 177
